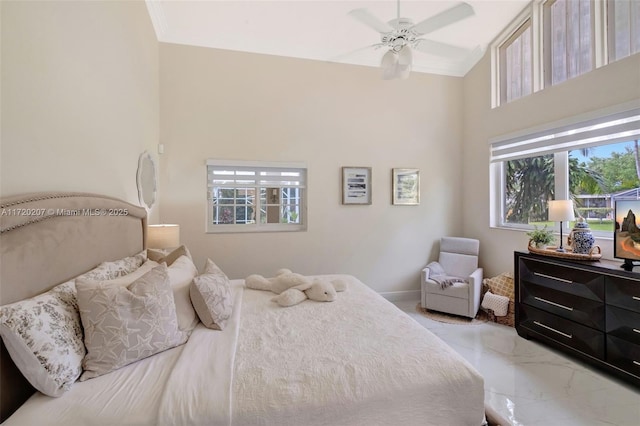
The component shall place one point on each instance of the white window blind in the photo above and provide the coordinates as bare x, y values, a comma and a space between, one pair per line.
238, 176
581, 132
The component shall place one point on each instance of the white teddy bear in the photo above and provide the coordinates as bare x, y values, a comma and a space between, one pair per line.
293, 288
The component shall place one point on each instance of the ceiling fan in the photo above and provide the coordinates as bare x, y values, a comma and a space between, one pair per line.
401, 35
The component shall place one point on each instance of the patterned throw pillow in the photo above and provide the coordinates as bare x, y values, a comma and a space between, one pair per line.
125, 324
117, 268
43, 335
211, 297
502, 285
498, 304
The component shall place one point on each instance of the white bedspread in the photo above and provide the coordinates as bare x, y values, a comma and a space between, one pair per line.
355, 361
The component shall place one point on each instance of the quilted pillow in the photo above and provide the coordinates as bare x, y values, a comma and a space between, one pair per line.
501, 285
117, 268
125, 324
211, 297
498, 304
43, 335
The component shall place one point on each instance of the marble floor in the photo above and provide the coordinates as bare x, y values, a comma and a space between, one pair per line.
533, 385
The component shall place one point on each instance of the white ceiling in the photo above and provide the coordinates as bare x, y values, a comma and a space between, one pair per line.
322, 29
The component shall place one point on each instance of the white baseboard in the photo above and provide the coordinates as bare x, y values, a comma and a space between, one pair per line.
397, 296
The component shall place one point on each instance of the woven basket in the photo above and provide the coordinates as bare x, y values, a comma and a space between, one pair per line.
508, 320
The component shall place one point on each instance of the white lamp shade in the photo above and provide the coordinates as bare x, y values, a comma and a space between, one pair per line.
163, 236
561, 210
389, 64
405, 59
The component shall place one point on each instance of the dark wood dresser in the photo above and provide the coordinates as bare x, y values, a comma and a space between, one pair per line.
590, 310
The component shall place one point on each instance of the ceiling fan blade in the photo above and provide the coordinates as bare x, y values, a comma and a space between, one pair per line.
364, 16
440, 49
355, 52
442, 19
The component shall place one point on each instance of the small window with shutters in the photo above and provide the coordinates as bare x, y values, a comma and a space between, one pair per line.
244, 196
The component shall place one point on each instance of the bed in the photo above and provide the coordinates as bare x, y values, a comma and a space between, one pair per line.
355, 361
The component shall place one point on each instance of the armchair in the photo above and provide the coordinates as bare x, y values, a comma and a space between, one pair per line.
458, 258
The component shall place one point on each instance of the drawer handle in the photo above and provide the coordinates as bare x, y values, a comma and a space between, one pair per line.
636, 362
636, 330
555, 304
635, 297
553, 278
570, 336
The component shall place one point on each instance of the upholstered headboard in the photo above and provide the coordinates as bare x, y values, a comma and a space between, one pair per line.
48, 238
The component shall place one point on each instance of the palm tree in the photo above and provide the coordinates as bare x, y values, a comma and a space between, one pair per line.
530, 185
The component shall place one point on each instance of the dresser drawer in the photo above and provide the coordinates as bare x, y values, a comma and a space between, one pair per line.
623, 324
624, 355
584, 311
574, 281
623, 293
579, 337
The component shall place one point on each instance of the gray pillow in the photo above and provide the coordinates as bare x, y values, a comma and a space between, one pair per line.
211, 297
123, 324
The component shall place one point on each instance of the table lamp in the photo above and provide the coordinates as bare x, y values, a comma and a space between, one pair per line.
163, 236
561, 211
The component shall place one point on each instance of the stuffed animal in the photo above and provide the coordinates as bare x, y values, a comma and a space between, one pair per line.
294, 288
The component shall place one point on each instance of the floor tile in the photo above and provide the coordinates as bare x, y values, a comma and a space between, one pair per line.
534, 385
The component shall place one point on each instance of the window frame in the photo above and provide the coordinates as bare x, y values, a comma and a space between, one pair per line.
547, 43
258, 187
527, 24
610, 33
555, 138
535, 12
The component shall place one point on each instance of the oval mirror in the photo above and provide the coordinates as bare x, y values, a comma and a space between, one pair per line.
146, 180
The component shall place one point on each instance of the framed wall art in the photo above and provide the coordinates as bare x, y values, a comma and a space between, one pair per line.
406, 187
356, 185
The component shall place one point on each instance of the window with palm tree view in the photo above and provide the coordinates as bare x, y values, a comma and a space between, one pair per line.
596, 177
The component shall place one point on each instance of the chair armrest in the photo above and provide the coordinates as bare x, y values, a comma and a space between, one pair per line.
425, 274
475, 280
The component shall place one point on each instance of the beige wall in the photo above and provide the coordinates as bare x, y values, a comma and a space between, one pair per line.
79, 96
613, 84
232, 105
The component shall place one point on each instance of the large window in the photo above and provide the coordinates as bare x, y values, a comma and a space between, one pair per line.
568, 39
589, 160
254, 197
516, 62
623, 28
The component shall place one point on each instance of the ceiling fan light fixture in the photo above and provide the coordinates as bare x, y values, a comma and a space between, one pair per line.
389, 65
405, 60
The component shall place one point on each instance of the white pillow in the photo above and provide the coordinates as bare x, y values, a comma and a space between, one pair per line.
125, 324
43, 335
211, 297
181, 273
